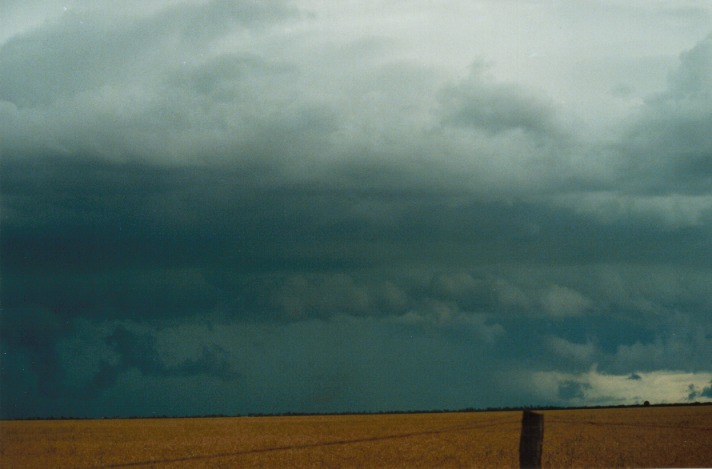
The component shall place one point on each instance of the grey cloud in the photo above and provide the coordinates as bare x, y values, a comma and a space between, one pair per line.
580, 354
693, 392
97, 220
441, 331
494, 107
340, 363
657, 168
139, 350
137, 90
706, 391
560, 301
28, 334
570, 390
690, 80
669, 147
679, 343
278, 213
87, 48
326, 295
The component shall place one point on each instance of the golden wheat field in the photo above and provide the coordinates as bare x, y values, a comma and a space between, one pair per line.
623, 437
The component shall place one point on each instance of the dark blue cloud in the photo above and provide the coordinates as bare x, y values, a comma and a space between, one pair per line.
204, 220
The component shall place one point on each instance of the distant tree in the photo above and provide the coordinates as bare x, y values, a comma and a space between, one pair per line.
646, 403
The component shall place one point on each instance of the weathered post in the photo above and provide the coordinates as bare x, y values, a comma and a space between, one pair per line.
531, 441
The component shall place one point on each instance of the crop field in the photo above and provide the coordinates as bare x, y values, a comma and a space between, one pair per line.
623, 437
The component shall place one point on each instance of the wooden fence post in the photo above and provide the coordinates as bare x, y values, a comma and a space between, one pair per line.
531, 441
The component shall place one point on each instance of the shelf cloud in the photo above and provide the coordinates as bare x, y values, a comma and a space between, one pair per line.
214, 207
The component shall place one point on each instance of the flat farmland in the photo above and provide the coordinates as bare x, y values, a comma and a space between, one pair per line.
623, 437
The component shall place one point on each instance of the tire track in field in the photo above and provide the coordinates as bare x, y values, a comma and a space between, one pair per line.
456, 428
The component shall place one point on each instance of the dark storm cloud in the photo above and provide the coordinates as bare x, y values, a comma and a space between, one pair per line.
707, 391
240, 253
696, 393
139, 241
209, 199
32, 331
139, 350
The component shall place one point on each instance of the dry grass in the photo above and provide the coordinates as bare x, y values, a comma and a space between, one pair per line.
633, 437
653, 436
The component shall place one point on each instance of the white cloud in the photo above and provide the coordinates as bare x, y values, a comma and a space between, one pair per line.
596, 388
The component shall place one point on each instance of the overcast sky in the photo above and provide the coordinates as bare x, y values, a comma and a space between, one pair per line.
230, 207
